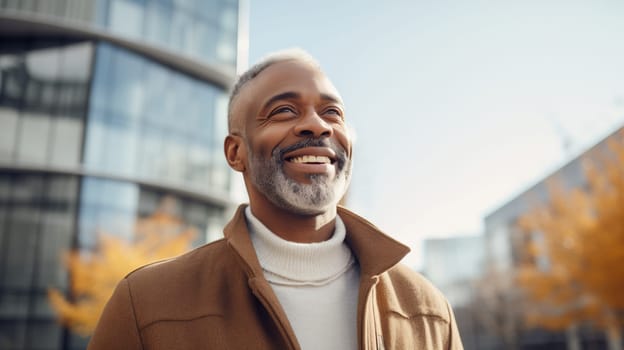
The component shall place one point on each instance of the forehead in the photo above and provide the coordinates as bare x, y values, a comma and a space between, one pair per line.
288, 76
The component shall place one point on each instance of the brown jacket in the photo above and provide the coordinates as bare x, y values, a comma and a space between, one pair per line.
215, 297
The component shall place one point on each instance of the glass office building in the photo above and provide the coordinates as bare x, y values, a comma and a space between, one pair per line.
106, 108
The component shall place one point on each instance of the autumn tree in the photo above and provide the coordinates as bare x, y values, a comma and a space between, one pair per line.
574, 267
94, 275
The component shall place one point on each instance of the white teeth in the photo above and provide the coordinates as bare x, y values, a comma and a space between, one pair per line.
311, 159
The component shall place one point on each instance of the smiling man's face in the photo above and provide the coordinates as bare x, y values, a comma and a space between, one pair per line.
298, 150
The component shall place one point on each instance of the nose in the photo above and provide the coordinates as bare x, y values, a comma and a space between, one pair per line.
312, 125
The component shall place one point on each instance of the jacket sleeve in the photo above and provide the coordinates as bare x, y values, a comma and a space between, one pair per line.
455, 342
117, 327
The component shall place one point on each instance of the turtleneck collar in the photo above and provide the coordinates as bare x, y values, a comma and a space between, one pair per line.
292, 263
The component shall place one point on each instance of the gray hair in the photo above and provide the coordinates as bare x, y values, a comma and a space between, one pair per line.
293, 54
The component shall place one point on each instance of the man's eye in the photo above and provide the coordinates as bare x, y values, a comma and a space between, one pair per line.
283, 109
333, 111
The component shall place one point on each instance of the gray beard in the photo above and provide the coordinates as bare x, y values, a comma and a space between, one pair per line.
268, 176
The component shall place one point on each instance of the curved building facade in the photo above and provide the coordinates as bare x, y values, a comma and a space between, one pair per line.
106, 108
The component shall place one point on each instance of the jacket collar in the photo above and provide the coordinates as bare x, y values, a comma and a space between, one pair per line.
375, 251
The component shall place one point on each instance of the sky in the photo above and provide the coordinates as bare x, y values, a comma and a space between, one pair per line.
457, 106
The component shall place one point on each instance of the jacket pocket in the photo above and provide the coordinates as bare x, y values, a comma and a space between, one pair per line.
416, 331
205, 332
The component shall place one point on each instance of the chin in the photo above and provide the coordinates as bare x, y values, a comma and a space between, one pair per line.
301, 206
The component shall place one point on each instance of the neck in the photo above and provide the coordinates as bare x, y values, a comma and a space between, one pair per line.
295, 227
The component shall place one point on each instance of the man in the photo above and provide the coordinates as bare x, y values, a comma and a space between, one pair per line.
294, 270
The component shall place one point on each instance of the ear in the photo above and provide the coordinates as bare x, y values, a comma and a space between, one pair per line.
235, 152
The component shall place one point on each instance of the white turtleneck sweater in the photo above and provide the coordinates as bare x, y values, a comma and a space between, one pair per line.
316, 284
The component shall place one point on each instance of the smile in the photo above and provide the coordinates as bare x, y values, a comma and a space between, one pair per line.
310, 159
311, 156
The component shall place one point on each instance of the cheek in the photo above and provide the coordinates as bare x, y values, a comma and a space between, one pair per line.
343, 137
267, 139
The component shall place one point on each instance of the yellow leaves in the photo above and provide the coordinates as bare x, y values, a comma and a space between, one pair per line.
95, 275
79, 316
581, 236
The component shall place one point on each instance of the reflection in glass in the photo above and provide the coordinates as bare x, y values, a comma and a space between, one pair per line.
145, 121
151, 122
42, 65
42, 100
8, 132
37, 214
205, 30
101, 89
207, 37
127, 85
208, 10
106, 205
182, 35
21, 241
113, 207
67, 140
158, 22
126, 17
226, 47
75, 71
150, 148
96, 131
121, 141
33, 137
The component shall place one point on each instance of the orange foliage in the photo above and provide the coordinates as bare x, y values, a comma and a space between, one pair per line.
579, 238
95, 275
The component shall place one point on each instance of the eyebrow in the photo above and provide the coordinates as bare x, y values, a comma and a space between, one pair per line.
331, 98
291, 95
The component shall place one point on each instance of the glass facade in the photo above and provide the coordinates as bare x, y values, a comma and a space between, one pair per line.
43, 96
94, 136
144, 120
204, 30
135, 123
113, 207
37, 217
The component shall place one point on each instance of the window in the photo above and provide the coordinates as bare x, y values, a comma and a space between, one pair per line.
67, 140
33, 137
126, 17
158, 22
156, 124
36, 217
8, 132
43, 86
